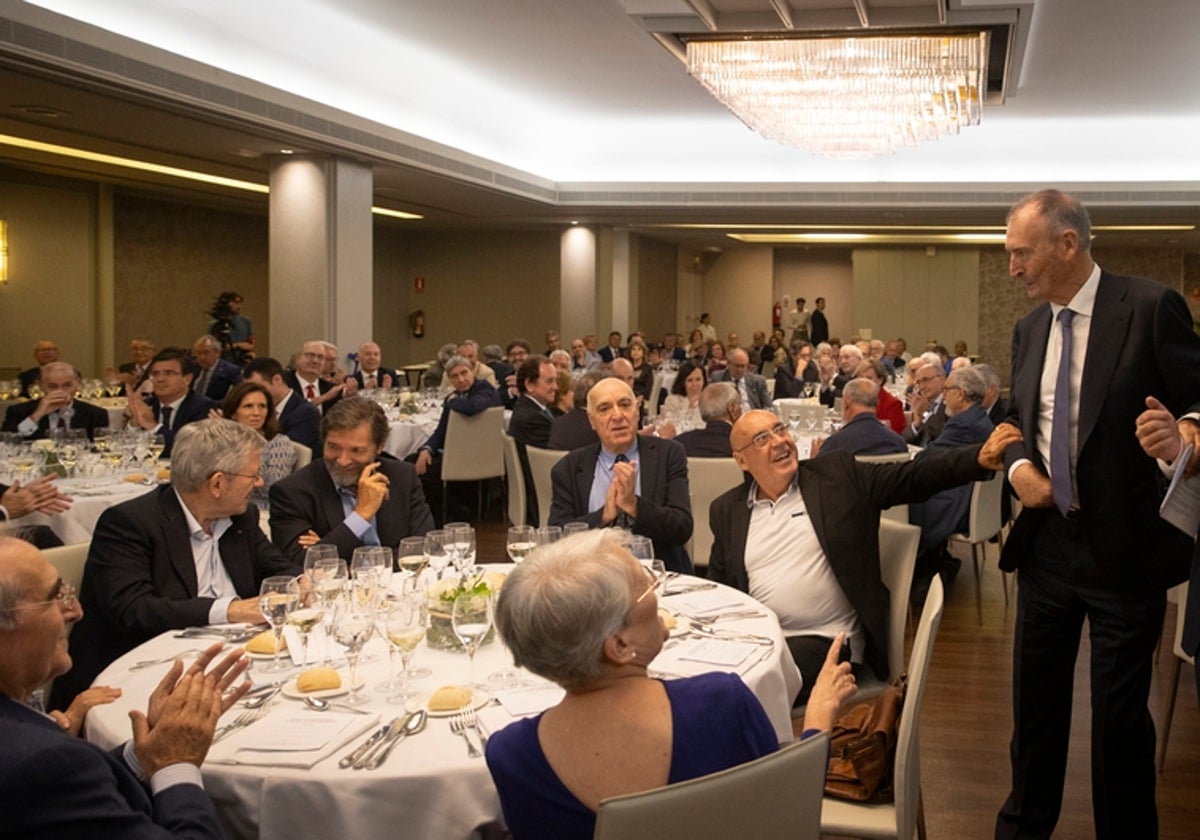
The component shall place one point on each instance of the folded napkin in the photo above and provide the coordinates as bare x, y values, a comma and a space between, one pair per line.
296, 738
710, 601
700, 656
530, 700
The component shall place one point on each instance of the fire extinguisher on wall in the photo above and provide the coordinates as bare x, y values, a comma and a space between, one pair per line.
776, 315
416, 322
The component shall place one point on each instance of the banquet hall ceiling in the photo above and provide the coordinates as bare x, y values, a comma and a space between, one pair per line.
528, 113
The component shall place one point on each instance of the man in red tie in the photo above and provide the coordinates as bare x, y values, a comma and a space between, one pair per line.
306, 379
57, 409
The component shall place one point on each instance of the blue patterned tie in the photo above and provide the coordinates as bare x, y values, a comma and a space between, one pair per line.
1060, 424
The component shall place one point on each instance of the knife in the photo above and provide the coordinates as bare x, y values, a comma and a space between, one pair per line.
393, 732
411, 727
362, 748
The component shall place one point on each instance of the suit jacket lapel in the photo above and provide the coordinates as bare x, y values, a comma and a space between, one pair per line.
648, 469
1106, 339
236, 559
328, 498
179, 541
585, 473
810, 492
1039, 335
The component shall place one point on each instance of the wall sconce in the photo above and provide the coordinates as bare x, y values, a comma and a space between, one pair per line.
3, 252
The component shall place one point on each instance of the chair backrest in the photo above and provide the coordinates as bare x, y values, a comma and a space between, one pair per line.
898, 545
984, 520
778, 795
303, 456
473, 447
516, 481
707, 479
655, 390
907, 777
68, 561
896, 513
541, 462
1181, 593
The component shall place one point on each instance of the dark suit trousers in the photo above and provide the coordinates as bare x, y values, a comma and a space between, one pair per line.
1058, 587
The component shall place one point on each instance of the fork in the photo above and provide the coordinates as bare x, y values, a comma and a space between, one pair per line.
472, 722
150, 663
241, 721
459, 726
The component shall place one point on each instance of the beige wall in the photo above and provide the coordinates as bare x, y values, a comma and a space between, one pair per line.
656, 290
737, 291
51, 290
490, 286
818, 272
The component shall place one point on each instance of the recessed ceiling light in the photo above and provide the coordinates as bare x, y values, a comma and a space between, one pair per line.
287, 151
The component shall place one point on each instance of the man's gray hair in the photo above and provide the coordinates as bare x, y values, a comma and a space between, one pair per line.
972, 384
350, 413
458, 361
10, 589
446, 351
560, 354
558, 607
584, 384
931, 358
1061, 212
208, 341
715, 400
991, 379
210, 446
48, 369
862, 392
492, 353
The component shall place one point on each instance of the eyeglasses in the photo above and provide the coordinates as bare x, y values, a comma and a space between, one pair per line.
64, 594
252, 476
948, 388
764, 437
656, 581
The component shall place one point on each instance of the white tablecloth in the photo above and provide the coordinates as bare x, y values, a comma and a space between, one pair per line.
406, 435
428, 788
91, 499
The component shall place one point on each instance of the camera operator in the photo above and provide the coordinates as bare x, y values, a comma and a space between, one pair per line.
232, 329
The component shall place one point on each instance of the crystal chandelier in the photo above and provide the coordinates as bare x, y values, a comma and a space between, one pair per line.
854, 97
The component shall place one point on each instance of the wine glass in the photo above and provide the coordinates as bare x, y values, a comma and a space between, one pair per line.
574, 528
471, 620
793, 419
277, 597
436, 551
304, 618
329, 576
461, 545
405, 623
68, 456
377, 557
156, 443
410, 557
364, 575
547, 535
642, 548
351, 629
314, 555
519, 542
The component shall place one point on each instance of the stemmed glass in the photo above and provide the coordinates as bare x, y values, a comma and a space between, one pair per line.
68, 456
460, 544
642, 548
314, 555
157, 444
547, 535
405, 623
305, 618
410, 556
329, 576
519, 542
793, 419
379, 558
472, 619
351, 629
574, 528
277, 597
436, 552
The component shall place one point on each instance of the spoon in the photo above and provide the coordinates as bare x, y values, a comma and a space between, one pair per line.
260, 700
320, 705
411, 727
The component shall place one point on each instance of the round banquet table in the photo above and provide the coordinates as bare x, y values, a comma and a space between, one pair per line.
428, 787
406, 435
91, 498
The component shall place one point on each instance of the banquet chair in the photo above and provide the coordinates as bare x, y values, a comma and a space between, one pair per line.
68, 561
304, 456
776, 796
655, 390
899, 818
707, 479
1180, 595
541, 461
474, 451
983, 523
517, 499
896, 513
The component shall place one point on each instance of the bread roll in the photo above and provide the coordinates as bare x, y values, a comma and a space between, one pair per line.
318, 679
264, 642
449, 697
668, 619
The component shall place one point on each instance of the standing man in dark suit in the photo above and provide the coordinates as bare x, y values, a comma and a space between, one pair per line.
751, 388
628, 481
354, 494
57, 409
720, 407
1089, 542
371, 373
299, 420
214, 375
802, 537
862, 432
56, 785
532, 418
44, 352
186, 554
818, 326
172, 405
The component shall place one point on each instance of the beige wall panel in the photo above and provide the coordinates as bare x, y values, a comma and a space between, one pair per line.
657, 280
813, 273
737, 292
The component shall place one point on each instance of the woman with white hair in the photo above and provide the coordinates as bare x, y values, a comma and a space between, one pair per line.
582, 612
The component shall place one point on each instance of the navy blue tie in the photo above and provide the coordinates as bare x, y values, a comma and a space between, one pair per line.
1060, 423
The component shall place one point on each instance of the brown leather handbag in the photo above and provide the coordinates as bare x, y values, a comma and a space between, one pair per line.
862, 748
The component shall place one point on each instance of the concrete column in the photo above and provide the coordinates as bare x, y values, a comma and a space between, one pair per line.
321, 254
578, 283
105, 283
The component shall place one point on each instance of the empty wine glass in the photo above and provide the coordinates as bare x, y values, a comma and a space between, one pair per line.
435, 552
277, 597
574, 528
460, 542
519, 542
378, 557
352, 628
329, 575
471, 620
793, 419
314, 555
405, 622
642, 548
547, 535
